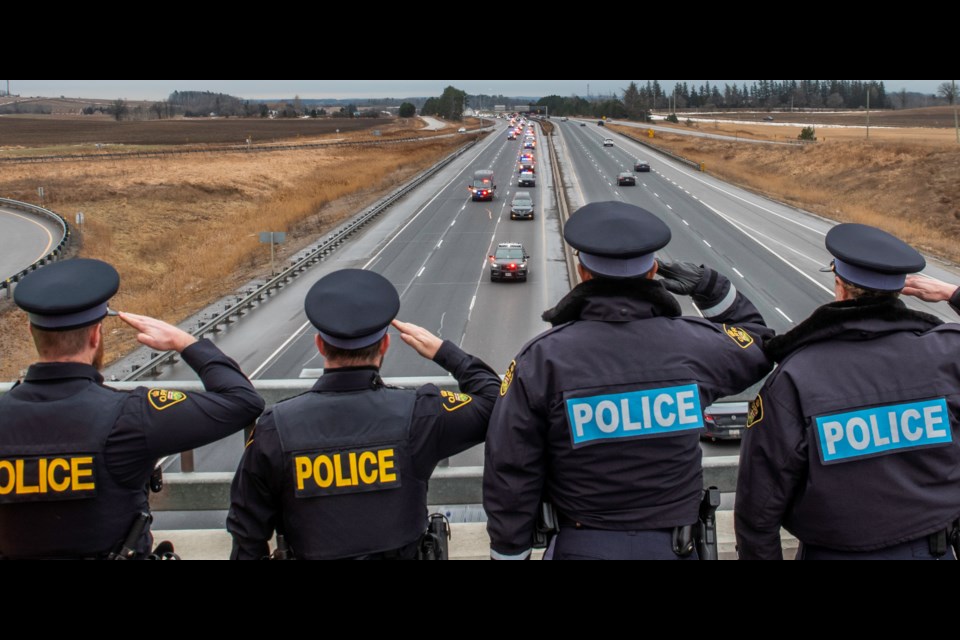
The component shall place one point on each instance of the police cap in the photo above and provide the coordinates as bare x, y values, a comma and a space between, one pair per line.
616, 239
69, 294
871, 258
352, 308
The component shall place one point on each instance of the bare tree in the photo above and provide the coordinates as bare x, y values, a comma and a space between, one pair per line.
119, 109
903, 98
948, 90
158, 109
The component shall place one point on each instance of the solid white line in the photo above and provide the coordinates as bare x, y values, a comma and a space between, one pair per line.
283, 346
741, 228
420, 273
738, 273
783, 314
707, 243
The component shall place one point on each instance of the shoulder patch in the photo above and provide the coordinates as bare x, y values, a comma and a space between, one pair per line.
508, 378
738, 335
453, 401
755, 413
161, 399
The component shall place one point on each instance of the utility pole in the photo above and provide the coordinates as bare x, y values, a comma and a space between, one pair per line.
956, 123
868, 112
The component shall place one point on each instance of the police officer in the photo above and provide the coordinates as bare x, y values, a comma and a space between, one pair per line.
601, 415
342, 470
75, 455
851, 444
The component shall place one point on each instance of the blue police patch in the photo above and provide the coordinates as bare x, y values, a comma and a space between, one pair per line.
882, 430
634, 414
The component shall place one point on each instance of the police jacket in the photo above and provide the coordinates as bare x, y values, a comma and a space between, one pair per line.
851, 443
601, 414
76, 456
342, 470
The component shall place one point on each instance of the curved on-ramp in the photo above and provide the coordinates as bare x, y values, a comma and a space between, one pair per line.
25, 238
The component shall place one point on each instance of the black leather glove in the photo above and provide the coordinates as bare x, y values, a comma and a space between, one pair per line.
681, 278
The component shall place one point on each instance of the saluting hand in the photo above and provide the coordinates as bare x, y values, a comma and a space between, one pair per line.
157, 334
681, 278
422, 341
928, 289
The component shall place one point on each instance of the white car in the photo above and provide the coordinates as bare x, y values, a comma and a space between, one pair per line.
462, 130
608, 142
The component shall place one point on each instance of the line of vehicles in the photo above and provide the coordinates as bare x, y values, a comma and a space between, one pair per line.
510, 260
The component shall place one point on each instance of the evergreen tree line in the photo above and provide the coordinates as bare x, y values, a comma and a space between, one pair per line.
638, 99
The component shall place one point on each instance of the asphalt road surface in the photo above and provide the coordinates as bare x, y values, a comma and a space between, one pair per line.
24, 239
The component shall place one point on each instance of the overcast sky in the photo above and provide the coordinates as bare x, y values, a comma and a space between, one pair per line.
254, 89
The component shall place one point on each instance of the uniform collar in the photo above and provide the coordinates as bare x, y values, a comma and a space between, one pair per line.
349, 379
50, 371
609, 300
858, 319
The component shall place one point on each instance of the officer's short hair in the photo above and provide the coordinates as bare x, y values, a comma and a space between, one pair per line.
52, 345
856, 291
360, 356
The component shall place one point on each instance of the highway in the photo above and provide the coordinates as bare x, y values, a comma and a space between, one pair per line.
24, 239
433, 247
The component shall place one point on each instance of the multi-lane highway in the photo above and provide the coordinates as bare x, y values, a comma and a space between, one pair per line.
24, 239
433, 247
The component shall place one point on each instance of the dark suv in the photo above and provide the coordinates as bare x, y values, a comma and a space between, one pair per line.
509, 262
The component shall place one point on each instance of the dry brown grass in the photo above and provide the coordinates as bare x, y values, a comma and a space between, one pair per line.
182, 230
908, 188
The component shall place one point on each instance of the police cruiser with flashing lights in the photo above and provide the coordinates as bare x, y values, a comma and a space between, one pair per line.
482, 186
509, 262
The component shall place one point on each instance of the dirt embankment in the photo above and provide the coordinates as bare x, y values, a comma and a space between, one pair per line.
183, 230
906, 184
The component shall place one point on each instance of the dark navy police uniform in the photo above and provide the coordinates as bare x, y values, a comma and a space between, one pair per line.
601, 415
342, 470
75, 455
851, 444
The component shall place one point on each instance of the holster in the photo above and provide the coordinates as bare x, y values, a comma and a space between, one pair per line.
434, 543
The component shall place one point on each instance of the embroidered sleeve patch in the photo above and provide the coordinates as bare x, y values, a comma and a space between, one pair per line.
453, 401
508, 378
738, 335
755, 413
161, 399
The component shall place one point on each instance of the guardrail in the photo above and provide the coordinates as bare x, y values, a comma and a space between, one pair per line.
325, 247
50, 257
563, 206
691, 163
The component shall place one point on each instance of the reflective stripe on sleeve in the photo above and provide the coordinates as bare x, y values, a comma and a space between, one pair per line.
503, 556
723, 305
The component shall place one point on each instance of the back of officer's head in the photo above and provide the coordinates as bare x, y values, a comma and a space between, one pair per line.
615, 240
66, 302
869, 262
352, 310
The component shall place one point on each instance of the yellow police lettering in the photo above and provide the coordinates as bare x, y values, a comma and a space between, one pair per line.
367, 458
344, 470
323, 461
76, 473
22, 488
6, 465
302, 463
42, 476
385, 458
64, 483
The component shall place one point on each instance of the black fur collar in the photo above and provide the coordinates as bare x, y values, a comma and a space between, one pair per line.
652, 291
869, 316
